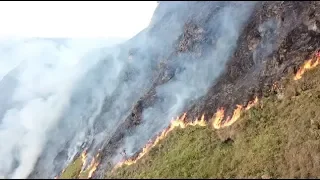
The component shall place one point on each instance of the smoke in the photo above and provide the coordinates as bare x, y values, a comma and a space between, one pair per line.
61, 96
101, 99
269, 35
37, 81
196, 74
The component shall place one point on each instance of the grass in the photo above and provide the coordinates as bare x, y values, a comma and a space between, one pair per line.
279, 138
73, 170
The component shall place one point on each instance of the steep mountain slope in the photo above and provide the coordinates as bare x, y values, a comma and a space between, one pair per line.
278, 138
217, 54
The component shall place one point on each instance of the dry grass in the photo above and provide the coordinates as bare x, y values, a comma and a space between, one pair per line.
279, 138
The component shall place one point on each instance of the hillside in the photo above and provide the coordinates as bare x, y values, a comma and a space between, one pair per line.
277, 138
204, 56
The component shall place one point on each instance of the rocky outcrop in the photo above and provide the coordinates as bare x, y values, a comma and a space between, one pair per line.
275, 42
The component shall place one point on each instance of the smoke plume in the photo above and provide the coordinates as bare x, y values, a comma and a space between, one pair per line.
61, 96
38, 77
197, 74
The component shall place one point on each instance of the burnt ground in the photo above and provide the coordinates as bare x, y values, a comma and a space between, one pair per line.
252, 70
290, 36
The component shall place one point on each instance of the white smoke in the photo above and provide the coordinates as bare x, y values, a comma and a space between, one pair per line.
37, 78
57, 95
198, 73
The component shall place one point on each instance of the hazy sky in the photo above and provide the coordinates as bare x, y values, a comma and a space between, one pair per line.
74, 19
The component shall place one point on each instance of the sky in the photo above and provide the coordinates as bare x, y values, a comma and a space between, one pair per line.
67, 19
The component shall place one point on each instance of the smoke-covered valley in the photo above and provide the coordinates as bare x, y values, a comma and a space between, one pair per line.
39, 80
61, 97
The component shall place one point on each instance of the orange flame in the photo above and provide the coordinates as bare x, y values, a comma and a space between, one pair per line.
252, 103
234, 118
93, 166
200, 122
83, 158
180, 123
217, 121
177, 123
218, 118
306, 66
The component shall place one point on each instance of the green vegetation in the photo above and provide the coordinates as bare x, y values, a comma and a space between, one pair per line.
278, 138
84, 174
73, 170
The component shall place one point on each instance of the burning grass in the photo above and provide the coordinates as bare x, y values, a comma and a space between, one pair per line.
76, 170
181, 123
309, 64
278, 138
72, 171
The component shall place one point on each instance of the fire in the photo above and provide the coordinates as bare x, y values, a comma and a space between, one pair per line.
217, 121
200, 122
93, 166
176, 123
180, 123
306, 66
84, 156
218, 118
88, 172
83, 159
252, 103
234, 118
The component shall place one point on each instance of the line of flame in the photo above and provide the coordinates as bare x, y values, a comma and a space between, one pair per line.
217, 121
83, 159
306, 66
219, 116
180, 123
93, 166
